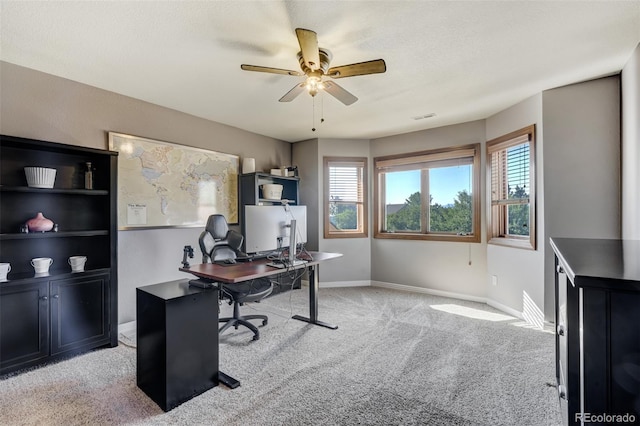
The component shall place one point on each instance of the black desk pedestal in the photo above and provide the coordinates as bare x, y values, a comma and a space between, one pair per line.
177, 338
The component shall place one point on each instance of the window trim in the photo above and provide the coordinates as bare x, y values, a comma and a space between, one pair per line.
496, 228
363, 211
439, 154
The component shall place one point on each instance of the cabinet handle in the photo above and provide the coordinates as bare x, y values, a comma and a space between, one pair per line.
44, 298
562, 392
560, 330
55, 296
560, 269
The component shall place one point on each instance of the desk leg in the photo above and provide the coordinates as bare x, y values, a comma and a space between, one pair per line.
228, 380
313, 301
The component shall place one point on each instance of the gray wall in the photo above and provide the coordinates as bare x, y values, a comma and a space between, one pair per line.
581, 166
631, 147
354, 267
42, 106
433, 265
305, 156
519, 273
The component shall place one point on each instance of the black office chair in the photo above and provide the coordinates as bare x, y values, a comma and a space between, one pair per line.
218, 243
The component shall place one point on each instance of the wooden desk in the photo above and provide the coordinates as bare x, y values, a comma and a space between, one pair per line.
245, 271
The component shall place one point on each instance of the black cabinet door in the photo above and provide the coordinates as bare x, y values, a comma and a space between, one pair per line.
79, 312
24, 323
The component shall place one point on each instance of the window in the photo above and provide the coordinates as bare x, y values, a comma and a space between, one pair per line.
511, 167
429, 195
345, 197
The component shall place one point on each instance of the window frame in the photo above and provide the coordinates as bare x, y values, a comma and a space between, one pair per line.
497, 218
363, 211
416, 158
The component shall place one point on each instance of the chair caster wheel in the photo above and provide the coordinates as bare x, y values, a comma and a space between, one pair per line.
256, 337
264, 322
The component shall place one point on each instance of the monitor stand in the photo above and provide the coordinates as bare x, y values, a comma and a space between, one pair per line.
291, 260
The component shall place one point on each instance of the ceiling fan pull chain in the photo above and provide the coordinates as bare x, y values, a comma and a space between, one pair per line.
313, 124
321, 109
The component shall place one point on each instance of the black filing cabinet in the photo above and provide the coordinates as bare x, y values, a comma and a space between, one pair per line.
177, 339
598, 330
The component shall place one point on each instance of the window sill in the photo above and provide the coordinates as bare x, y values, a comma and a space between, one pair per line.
512, 242
428, 237
346, 235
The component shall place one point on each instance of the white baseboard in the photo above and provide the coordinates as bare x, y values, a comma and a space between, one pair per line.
364, 283
505, 309
490, 302
428, 291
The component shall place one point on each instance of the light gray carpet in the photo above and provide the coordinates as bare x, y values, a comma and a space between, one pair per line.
397, 359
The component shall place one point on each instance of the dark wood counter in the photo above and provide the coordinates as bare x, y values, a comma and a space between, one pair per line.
597, 315
600, 263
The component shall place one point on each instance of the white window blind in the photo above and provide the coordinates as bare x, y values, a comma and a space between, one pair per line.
427, 160
510, 177
518, 171
345, 182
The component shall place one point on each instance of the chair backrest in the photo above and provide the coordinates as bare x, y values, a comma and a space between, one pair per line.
217, 242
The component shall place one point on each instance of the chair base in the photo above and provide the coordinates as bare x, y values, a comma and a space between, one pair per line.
239, 294
237, 321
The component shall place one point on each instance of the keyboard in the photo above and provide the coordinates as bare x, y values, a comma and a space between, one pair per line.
286, 264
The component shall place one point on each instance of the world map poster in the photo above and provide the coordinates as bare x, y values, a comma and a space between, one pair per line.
163, 184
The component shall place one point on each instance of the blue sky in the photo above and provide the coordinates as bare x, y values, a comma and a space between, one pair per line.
445, 183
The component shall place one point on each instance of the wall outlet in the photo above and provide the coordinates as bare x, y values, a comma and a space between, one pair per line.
494, 280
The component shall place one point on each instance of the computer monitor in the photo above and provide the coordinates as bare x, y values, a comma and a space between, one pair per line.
268, 228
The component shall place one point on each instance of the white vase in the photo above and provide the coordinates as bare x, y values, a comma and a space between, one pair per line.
248, 165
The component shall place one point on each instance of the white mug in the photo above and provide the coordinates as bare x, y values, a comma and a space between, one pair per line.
5, 268
41, 264
77, 263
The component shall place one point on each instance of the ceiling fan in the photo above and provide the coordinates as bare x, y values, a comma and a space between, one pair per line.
314, 63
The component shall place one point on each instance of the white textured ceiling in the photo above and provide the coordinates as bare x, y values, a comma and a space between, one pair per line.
460, 60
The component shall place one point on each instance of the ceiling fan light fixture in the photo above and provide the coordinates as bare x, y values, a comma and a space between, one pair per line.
313, 85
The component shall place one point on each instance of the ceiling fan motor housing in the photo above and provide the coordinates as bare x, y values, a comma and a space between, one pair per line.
325, 59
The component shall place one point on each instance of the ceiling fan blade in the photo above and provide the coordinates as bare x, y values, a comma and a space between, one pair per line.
269, 70
361, 68
339, 93
293, 93
308, 41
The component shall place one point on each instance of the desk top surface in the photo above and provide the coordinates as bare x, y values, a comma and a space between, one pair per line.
244, 271
600, 262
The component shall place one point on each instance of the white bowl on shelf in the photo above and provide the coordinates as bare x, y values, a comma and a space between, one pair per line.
271, 191
40, 177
